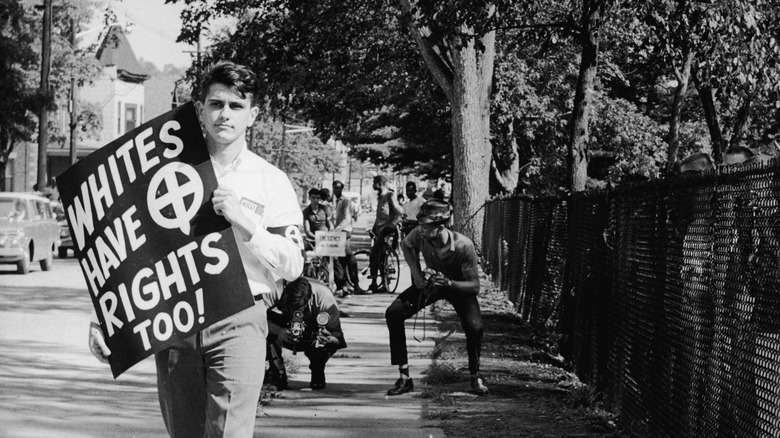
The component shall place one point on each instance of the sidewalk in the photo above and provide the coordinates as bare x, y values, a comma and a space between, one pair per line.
354, 403
53, 387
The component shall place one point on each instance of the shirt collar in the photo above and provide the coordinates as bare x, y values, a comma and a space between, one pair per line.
233, 165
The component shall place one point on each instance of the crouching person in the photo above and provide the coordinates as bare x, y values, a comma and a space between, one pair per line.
305, 319
452, 274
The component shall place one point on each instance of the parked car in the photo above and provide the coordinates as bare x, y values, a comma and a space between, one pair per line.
66, 241
29, 231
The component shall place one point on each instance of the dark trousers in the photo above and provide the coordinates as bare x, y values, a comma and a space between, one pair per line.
345, 270
318, 356
412, 301
377, 250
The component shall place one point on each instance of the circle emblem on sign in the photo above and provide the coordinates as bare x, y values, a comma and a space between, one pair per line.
174, 196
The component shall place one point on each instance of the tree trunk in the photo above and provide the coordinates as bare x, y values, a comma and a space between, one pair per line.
6, 147
471, 85
683, 78
505, 166
707, 98
743, 116
583, 97
464, 71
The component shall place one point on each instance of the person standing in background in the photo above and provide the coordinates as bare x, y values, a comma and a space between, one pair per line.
388, 216
345, 270
411, 208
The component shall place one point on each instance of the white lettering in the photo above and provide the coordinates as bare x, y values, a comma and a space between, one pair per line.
149, 289
131, 226
100, 193
144, 149
109, 312
163, 326
82, 218
115, 176
116, 238
209, 251
178, 309
186, 252
92, 272
106, 257
141, 330
168, 138
126, 303
165, 280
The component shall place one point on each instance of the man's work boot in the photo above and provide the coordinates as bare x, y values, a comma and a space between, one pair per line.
317, 376
402, 386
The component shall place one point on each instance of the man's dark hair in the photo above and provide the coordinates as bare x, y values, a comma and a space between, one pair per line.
411, 184
381, 179
237, 77
338, 183
315, 191
295, 295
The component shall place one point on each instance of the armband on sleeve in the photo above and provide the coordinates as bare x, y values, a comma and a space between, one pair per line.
291, 232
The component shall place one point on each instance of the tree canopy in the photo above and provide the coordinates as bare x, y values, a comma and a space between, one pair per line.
354, 68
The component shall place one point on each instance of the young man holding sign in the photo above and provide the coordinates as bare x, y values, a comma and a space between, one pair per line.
209, 383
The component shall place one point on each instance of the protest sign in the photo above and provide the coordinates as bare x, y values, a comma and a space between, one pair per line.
330, 243
159, 263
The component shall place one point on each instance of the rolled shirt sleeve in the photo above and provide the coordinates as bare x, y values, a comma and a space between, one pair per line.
279, 245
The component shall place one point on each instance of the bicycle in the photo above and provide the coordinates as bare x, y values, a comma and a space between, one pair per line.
316, 267
389, 263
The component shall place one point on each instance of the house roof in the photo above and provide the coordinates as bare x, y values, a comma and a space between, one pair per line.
115, 50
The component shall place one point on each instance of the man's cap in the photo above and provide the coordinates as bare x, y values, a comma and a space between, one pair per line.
381, 179
433, 211
338, 183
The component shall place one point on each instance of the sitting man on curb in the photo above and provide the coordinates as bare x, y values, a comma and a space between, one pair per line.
304, 318
452, 274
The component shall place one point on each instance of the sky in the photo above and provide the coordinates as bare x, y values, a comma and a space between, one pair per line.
156, 26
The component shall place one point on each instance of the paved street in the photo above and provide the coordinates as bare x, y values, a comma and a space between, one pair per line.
53, 387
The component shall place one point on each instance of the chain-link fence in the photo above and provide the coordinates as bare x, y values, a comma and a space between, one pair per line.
667, 295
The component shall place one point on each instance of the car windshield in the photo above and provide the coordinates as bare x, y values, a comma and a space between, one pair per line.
11, 208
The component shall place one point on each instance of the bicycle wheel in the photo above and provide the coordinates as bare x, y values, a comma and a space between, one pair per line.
316, 270
392, 271
309, 270
363, 259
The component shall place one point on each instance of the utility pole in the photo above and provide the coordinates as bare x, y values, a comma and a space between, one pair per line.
43, 117
73, 98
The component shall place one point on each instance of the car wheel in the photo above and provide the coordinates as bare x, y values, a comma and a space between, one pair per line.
23, 265
62, 252
46, 262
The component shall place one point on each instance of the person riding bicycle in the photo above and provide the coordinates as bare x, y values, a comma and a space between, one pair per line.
452, 274
316, 217
304, 318
345, 272
411, 208
388, 216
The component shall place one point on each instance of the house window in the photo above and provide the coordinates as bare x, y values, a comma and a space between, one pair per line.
131, 116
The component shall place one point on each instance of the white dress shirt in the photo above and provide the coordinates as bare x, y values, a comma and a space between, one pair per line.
266, 195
